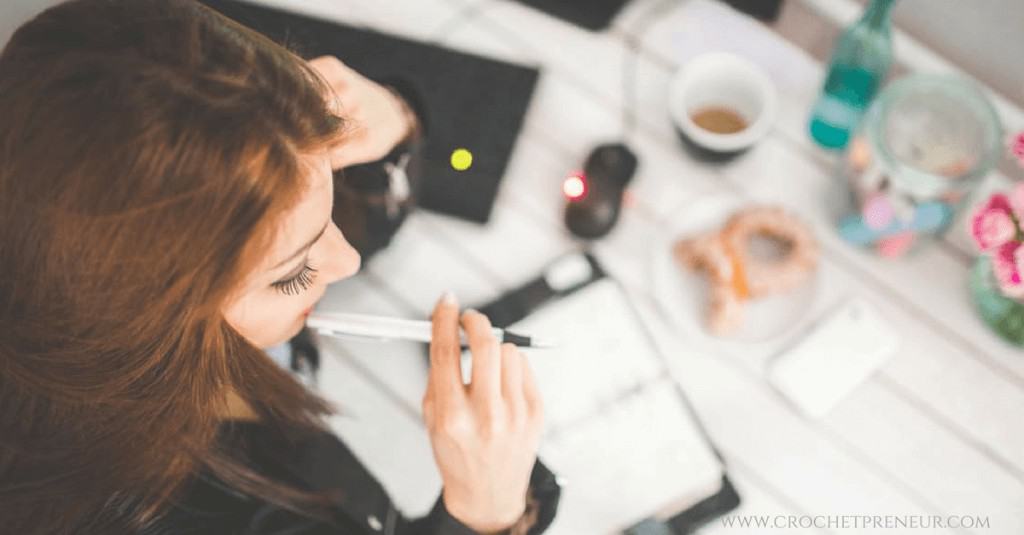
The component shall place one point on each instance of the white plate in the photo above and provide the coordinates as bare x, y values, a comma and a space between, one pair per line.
682, 293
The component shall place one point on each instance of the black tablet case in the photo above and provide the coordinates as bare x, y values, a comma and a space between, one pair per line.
517, 303
470, 101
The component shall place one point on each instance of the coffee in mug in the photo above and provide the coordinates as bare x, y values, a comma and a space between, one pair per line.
719, 119
721, 104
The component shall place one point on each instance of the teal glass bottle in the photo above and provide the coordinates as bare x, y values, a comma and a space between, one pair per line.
859, 63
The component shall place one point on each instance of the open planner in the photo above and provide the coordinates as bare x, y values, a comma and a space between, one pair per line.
618, 429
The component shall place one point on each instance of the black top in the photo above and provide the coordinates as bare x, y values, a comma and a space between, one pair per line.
319, 462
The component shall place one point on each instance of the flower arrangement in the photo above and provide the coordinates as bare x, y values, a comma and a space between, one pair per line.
996, 228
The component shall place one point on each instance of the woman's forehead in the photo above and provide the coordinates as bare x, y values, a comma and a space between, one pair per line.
306, 218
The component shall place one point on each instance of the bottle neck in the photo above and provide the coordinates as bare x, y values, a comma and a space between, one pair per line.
877, 14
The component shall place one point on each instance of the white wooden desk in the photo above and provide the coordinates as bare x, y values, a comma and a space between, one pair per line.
937, 431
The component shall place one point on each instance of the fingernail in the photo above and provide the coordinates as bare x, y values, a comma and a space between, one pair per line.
448, 298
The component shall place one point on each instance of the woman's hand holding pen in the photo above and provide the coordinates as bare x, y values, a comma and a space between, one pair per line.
364, 103
484, 435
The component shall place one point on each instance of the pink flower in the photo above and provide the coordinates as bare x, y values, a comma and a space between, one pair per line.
1017, 147
1007, 266
992, 225
1017, 201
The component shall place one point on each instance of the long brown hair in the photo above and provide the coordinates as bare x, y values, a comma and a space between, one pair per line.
147, 148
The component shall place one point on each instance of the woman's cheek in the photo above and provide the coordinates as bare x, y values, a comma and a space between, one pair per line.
281, 324
246, 316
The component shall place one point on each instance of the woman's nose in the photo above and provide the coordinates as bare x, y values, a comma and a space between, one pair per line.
343, 260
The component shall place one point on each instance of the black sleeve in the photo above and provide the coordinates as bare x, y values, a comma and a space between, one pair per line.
438, 522
366, 209
321, 462
544, 494
217, 509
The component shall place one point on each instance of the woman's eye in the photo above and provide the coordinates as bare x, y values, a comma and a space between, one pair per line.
300, 282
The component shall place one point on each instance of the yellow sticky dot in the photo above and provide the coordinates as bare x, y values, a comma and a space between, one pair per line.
461, 159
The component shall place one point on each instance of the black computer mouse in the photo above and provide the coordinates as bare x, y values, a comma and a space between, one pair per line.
606, 173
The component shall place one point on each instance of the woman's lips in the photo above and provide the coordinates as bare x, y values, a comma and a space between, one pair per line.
308, 311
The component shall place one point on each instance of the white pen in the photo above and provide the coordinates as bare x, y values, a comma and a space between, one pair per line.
383, 328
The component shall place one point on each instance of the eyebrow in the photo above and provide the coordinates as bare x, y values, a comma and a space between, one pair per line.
304, 247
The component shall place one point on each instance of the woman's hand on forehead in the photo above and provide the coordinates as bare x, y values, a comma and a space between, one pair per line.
378, 118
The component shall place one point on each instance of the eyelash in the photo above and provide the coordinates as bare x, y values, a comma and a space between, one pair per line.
298, 283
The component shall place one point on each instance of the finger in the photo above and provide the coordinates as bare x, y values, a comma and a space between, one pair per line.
341, 156
339, 159
534, 402
445, 372
335, 82
350, 151
486, 375
345, 95
334, 104
323, 63
427, 407
351, 112
328, 64
512, 379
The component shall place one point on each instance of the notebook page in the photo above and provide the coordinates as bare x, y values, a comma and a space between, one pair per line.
617, 429
599, 353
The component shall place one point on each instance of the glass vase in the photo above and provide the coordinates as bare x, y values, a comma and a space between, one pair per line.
925, 143
1005, 315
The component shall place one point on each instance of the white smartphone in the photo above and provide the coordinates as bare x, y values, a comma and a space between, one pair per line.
833, 357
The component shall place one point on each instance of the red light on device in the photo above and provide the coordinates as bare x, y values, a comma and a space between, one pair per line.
575, 186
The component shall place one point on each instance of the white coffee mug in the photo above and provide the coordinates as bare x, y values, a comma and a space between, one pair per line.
720, 79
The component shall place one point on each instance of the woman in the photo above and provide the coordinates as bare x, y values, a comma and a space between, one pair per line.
165, 214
